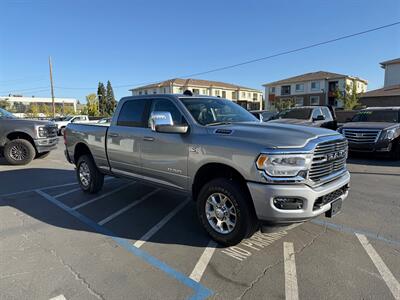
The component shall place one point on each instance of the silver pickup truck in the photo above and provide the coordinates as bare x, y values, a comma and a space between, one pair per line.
243, 174
22, 140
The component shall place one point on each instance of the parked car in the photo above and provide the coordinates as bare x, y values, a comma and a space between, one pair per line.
315, 116
64, 121
375, 129
263, 115
22, 140
104, 120
241, 172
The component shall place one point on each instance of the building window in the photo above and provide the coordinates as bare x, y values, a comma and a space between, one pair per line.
285, 90
145, 92
223, 94
300, 87
272, 90
140, 92
234, 95
243, 94
299, 101
315, 85
314, 100
196, 91
204, 92
155, 91
255, 97
165, 90
249, 95
216, 92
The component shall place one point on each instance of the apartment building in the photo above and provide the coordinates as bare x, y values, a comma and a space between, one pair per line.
389, 95
248, 98
316, 88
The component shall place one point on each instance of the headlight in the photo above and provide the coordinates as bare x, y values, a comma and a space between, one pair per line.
388, 134
340, 130
284, 165
42, 132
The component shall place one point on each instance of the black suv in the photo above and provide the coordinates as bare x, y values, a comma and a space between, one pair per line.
375, 129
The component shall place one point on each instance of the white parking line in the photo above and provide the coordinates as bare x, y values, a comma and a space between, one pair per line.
59, 297
291, 287
67, 192
387, 276
122, 210
139, 243
102, 196
203, 261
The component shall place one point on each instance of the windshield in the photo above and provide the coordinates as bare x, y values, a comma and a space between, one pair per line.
390, 116
210, 111
6, 115
297, 113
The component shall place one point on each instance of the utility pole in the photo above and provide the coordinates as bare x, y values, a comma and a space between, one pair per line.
52, 88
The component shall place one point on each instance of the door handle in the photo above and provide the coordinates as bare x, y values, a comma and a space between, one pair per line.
148, 138
113, 134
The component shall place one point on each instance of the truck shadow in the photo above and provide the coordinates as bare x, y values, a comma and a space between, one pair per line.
375, 160
184, 228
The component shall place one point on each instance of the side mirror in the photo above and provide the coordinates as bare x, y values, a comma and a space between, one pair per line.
158, 118
161, 121
319, 118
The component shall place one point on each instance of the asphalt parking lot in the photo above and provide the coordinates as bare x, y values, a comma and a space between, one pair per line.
133, 241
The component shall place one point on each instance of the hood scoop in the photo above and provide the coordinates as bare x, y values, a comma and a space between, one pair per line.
223, 131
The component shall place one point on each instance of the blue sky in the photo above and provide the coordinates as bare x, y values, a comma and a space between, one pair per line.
133, 42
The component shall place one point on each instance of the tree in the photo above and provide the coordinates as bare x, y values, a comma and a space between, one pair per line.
101, 94
349, 97
33, 110
110, 99
283, 104
92, 105
4, 104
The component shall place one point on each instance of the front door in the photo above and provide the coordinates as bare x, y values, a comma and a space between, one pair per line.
125, 136
164, 155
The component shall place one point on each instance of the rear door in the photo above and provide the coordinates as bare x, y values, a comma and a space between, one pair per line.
125, 135
164, 155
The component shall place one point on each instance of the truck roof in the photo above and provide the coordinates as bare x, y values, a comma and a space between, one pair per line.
383, 108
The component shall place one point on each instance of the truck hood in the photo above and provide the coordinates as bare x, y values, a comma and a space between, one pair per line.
370, 125
272, 135
27, 122
291, 121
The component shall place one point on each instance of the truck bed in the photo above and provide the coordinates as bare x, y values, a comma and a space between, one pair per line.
94, 136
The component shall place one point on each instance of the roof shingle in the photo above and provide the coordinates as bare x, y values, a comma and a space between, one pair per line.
393, 90
310, 76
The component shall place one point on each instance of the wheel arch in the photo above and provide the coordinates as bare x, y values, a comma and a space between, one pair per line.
20, 135
81, 149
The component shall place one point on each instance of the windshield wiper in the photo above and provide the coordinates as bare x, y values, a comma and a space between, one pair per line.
218, 123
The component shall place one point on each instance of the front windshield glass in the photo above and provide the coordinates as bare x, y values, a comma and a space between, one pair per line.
390, 116
6, 115
297, 113
211, 111
68, 118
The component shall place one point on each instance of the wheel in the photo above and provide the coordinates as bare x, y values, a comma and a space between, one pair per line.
43, 154
89, 177
224, 211
396, 150
19, 152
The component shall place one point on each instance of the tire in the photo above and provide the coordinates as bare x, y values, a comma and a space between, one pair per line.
396, 150
244, 218
88, 175
19, 152
42, 155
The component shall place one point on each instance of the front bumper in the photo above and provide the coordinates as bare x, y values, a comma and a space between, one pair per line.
380, 146
263, 195
46, 144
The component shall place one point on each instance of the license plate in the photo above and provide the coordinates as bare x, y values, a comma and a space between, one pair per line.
336, 207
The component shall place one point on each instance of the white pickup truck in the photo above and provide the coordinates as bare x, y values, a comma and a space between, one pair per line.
64, 121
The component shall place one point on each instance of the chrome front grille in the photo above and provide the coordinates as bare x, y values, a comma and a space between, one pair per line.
329, 158
361, 136
51, 131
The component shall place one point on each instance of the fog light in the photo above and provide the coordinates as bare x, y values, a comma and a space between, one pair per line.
288, 203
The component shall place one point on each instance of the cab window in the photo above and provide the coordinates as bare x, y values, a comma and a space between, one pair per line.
133, 113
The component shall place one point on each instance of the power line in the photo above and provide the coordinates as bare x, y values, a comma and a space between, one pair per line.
251, 60
24, 90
